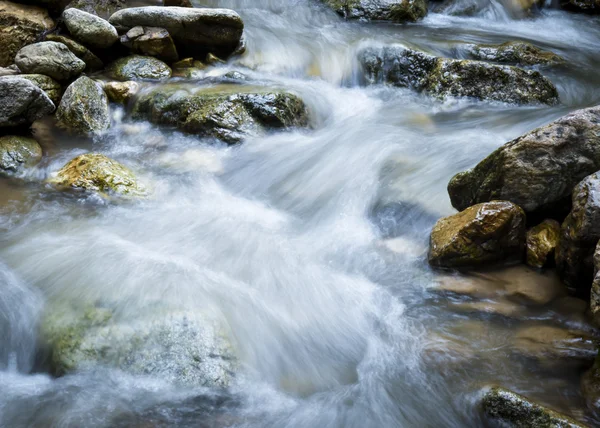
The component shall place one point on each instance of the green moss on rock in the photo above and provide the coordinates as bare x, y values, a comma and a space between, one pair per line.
17, 153
138, 67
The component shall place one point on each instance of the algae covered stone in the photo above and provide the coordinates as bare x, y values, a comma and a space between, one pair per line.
92, 62
84, 107
480, 235
96, 172
138, 67
542, 240
22, 102
90, 29
18, 152
50, 58
517, 53
47, 84
380, 10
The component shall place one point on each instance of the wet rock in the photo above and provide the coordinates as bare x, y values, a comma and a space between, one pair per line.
18, 152
50, 58
22, 102
220, 112
90, 29
517, 53
151, 41
579, 235
444, 78
552, 347
185, 348
137, 67
84, 108
47, 84
121, 92
591, 7
97, 173
590, 386
20, 25
542, 240
92, 62
187, 68
595, 292
480, 235
538, 170
101, 8
196, 31
516, 411
380, 10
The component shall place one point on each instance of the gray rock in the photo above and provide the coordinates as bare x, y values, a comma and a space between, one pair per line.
595, 295
444, 78
47, 84
90, 29
12, 70
50, 58
102, 8
22, 102
18, 152
137, 67
517, 53
538, 170
92, 62
151, 41
84, 107
195, 30
380, 10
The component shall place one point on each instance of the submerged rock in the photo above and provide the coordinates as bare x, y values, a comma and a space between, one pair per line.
516, 411
226, 113
92, 62
542, 240
380, 10
22, 102
90, 29
137, 67
480, 235
50, 58
18, 152
517, 53
121, 92
47, 84
443, 77
538, 170
84, 107
96, 172
151, 41
195, 30
20, 25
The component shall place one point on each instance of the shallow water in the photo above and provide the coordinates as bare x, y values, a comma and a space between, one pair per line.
310, 245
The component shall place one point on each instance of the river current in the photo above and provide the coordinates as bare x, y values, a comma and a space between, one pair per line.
310, 244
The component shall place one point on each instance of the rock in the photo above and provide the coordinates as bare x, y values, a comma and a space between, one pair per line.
12, 70
138, 67
187, 68
96, 172
89, 29
590, 386
84, 108
92, 62
101, 8
196, 31
538, 170
47, 84
218, 112
517, 53
18, 152
555, 347
542, 240
516, 411
480, 235
22, 102
444, 78
595, 292
50, 58
121, 92
151, 41
591, 7
180, 3
380, 10
185, 348
20, 25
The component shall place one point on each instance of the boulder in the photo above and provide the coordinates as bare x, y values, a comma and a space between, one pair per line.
20, 25
196, 31
444, 78
84, 108
137, 67
22, 102
97, 173
121, 92
380, 10
151, 41
579, 235
92, 62
538, 170
50, 58
47, 84
90, 29
17, 153
541, 242
102, 8
480, 235
219, 113
510, 409
185, 348
516, 53
591, 7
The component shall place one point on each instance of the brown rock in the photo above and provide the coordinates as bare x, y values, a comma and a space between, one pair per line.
542, 240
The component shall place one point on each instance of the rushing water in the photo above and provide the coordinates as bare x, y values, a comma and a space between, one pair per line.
310, 245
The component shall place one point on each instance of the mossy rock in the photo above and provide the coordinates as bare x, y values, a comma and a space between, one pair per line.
138, 67
92, 62
47, 84
84, 108
515, 53
17, 153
